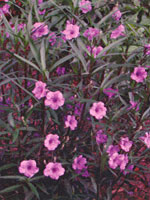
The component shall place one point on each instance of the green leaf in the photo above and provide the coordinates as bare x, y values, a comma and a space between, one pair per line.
62, 60
34, 190
79, 56
10, 189
4, 167
42, 53
11, 120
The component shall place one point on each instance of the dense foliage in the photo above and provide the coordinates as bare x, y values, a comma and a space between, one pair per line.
74, 99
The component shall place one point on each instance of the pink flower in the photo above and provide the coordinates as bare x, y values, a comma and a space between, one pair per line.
40, 1
54, 99
117, 15
28, 168
54, 170
90, 33
39, 30
100, 137
5, 9
85, 6
79, 163
98, 110
126, 144
110, 92
123, 161
130, 167
116, 160
139, 74
71, 31
118, 32
112, 149
146, 139
71, 122
51, 142
96, 51
39, 90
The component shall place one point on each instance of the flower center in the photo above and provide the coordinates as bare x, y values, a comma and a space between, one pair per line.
54, 169
29, 167
55, 99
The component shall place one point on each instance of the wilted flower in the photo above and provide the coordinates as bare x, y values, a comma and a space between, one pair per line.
71, 122
51, 142
98, 110
118, 32
139, 74
54, 170
54, 99
85, 6
125, 144
39, 90
79, 163
52, 38
146, 139
39, 30
71, 31
28, 168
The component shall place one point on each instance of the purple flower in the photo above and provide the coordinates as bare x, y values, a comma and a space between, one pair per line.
39, 30
71, 122
117, 15
146, 139
110, 92
42, 12
71, 31
39, 90
98, 110
123, 161
51, 142
90, 33
28, 168
85, 6
54, 170
101, 138
139, 74
79, 163
54, 99
118, 32
112, 149
125, 144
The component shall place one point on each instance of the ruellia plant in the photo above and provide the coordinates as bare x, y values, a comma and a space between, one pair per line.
74, 99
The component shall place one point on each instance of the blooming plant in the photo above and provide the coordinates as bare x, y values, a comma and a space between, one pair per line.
74, 99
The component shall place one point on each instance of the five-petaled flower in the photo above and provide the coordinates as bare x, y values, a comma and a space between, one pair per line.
125, 144
54, 170
79, 163
54, 99
71, 31
28, 168
139, 74
51, 142
39, 30
71, 122
98, 110
39, 90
